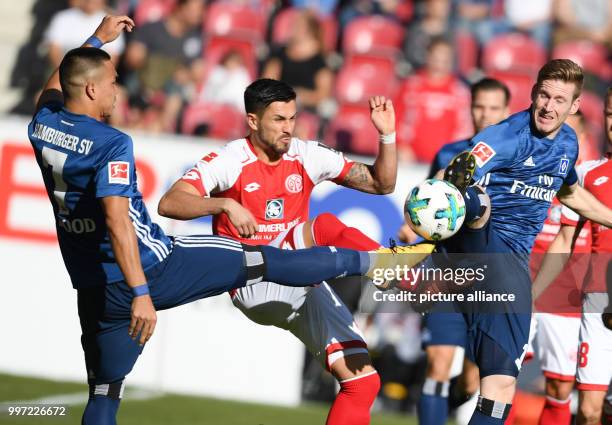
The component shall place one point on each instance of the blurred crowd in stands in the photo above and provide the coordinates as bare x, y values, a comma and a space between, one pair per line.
184, 68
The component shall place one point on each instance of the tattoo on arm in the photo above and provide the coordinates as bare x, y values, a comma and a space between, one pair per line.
360, 177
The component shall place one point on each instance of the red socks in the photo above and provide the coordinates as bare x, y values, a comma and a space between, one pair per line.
328, 230
556, 412
353, 402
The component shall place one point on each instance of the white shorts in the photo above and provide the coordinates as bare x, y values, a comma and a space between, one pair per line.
533, 329
314, 314
595, 350
557, 345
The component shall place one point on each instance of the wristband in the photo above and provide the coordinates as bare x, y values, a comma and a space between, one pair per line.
140, 290
94, 42
387, 139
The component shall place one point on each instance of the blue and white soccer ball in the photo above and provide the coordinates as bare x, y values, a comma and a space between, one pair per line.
435, 209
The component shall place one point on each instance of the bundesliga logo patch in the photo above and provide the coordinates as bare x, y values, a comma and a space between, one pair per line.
275, 209
483, 153
119, 172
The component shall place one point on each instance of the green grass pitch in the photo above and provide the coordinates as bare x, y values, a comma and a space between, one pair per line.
169, 409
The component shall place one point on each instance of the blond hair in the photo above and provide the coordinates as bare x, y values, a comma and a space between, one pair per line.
563, 70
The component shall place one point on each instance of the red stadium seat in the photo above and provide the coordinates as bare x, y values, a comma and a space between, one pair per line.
520, 88
229, 19
217, 47
281, 28
467, 52
593, 57
307, 126
355, 83
592, 107
515, 52
222, 121
152, 11
385, 65
372, 34
351, 130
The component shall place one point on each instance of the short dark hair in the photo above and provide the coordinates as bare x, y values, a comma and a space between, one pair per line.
76, 63
261, 93
563, 70
437, 40
490, 84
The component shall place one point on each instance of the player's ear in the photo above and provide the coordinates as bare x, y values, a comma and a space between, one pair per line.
90, 90
252, 121
575, 105
534, 90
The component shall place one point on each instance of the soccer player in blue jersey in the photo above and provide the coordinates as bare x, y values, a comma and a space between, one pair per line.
443, 331
530, 157
122, 265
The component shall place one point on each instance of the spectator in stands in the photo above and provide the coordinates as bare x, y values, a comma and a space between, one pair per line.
533, 17
227, 82
432, 21
356, 8
320, 7
433, 106
476, 17
162, 56
69, 27
583, 19
301, 63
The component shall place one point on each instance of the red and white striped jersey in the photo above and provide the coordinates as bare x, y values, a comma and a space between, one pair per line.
596, 177
277, 195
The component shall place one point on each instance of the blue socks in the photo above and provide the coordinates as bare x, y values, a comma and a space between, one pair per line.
305, 267
490, 412
433, 405
100, 410
479, 418
433, 409
475, 205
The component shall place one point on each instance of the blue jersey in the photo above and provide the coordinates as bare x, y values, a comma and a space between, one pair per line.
446, 153
82, 160
522, 173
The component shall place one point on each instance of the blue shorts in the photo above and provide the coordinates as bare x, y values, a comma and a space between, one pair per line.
494, 328
198, 267
444, 329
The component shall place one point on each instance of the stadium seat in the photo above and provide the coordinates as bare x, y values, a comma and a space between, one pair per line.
520, 88
351, 130
357, 81
467, 52
217, 47
152, 11
372, 34
385, 65
592, 106
307, 126
219, 121
514, 52
283, 22
593, 57
231, 19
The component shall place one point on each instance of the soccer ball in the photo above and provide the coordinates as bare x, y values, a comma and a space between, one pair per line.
435, 209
